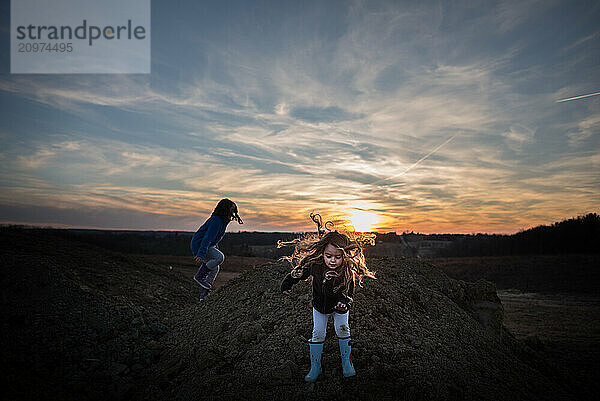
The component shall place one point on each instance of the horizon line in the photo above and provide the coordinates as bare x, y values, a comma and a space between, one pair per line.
75, 228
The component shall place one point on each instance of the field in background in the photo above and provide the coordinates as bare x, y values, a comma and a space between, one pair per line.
564, 326
551, 301
573, 274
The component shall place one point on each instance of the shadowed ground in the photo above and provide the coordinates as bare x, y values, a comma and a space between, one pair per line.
86, 323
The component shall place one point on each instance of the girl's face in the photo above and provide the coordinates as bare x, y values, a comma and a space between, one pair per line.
332, 256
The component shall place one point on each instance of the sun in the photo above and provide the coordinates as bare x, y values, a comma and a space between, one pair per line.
363, 221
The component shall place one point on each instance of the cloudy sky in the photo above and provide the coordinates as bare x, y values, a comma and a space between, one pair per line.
436, 116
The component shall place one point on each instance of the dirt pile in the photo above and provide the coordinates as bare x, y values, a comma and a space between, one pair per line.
417, 334
80, 322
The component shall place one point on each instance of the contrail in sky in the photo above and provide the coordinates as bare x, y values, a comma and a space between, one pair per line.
578, 97
417, 162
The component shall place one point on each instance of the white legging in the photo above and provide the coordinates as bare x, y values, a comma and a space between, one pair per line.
340, 322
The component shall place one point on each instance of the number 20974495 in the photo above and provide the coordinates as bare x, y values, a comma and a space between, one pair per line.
45, 47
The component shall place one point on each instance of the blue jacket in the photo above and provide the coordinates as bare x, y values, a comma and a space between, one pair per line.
209, 234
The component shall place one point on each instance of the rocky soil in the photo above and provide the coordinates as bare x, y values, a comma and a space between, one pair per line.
83, 323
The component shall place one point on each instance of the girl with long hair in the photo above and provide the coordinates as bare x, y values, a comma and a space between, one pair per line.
205, 240
335, 262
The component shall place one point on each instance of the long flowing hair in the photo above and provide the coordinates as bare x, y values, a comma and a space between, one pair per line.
309, 248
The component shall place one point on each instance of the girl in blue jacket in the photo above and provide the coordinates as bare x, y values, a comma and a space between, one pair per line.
205, 240
334, 262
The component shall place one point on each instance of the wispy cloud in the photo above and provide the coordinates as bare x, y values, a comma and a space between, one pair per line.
518, 135
436, 118
585, 129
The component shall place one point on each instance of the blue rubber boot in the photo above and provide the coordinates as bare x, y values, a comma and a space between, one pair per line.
200, 277
345, 349
316, 350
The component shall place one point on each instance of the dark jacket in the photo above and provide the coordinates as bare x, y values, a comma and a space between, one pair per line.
324, 299
209, 234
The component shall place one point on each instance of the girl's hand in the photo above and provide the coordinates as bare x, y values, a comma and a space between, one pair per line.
287, 292
341, 307
199, 260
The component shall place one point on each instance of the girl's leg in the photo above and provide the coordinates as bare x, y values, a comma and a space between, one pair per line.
214, 258
210, 268
319, 326
316, 345
212, 274
340, 322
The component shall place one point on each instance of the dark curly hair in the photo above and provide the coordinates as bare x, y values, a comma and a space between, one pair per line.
228, 210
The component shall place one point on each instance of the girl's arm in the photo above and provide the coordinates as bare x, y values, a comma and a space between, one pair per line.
289, 281
345, 300
210, 234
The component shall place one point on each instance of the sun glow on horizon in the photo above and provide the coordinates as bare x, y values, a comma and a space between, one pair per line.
363, 221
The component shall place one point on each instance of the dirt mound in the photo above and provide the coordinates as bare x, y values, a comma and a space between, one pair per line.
80, 322
417, 334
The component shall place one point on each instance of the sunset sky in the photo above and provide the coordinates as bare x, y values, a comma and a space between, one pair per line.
403, 115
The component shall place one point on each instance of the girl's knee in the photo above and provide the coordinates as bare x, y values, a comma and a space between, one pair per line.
342, 330
215, 258
318, 336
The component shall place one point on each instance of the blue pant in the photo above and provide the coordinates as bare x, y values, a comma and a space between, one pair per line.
213, 260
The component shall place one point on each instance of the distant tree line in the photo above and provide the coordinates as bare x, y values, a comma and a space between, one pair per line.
176, 243
135, 242
255, 244
575, 235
